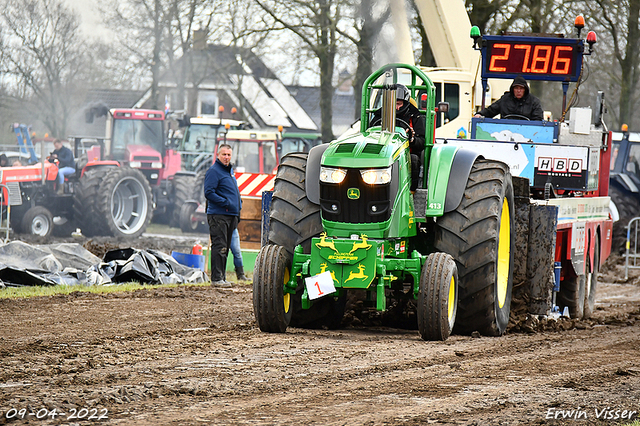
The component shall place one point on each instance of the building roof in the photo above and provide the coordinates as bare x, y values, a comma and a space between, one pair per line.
241, 78
216, 65
343, 105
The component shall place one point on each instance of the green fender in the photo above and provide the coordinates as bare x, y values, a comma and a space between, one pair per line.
449, 168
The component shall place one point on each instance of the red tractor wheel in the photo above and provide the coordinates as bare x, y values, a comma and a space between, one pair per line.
37, 221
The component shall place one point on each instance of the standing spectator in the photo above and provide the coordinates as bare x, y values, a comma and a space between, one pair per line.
66, 163
223, 212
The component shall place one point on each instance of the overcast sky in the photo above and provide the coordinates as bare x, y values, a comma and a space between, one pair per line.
89, 15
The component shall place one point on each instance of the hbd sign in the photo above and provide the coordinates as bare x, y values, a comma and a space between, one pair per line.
560, 165
564, 167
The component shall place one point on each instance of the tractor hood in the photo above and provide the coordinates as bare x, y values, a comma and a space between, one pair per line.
372, 149
144, 154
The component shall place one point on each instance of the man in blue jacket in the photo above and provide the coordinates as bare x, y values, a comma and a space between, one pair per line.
223, 212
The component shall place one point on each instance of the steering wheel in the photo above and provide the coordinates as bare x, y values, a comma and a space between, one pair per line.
517, 117
400, 121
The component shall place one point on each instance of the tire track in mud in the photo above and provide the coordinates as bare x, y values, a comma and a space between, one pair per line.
193, 355
445, 387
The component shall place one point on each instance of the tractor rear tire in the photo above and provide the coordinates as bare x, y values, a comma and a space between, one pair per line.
591, 283
572, 295
480, 235
628, 205
272, 306
184, 188
37, 220
438, 297
295, 220
85, 204
114, 201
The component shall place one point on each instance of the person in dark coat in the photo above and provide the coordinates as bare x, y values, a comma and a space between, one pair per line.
517, 102
66, 163
223, 212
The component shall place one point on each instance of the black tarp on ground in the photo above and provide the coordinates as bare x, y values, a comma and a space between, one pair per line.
24, 265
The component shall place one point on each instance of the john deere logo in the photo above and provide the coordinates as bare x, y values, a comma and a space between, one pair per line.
353, 193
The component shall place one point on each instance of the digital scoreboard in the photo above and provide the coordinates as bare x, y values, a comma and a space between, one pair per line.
535, 58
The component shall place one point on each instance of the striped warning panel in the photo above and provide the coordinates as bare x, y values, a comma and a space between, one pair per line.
252, 184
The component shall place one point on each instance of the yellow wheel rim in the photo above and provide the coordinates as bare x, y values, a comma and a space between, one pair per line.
286, 296
452, 298
504, 251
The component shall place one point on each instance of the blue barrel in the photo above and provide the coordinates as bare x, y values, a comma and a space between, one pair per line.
190, 260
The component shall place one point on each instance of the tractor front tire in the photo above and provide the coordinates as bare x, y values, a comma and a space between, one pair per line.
186, 221
479, 234
272, 306
438, 297
294, 220
37, 220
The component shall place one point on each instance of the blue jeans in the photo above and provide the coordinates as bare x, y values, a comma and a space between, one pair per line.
235, 249
64, 171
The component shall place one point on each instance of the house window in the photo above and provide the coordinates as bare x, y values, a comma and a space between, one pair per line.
207, 103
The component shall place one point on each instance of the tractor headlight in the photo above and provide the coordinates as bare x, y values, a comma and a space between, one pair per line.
376, 176
135, 164
331, 175
156, 165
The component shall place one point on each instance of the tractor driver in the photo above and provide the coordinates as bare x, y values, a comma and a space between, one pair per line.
66, 163
517, 103
408, 117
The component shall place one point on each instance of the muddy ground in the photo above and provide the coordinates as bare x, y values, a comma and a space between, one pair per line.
193, 355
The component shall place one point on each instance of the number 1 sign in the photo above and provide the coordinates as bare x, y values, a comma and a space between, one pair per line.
319, 285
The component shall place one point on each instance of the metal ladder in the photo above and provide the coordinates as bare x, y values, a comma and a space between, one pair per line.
4, 189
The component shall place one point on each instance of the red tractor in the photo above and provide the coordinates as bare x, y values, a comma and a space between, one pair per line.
114, 190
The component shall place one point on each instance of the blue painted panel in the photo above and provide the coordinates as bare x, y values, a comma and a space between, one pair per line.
520, 131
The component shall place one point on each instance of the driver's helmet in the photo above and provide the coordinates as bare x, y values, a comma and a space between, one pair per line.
402, 92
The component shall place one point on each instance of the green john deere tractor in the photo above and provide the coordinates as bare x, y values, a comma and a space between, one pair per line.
344, 218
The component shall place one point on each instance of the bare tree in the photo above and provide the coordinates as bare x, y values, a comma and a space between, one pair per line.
141, 27
367, 26
534, 16
183, 16
314, 22
619, 21
42, 52
483, 12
